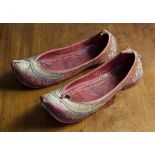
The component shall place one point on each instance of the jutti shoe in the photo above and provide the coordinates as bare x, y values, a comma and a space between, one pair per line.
57, 65
87, 94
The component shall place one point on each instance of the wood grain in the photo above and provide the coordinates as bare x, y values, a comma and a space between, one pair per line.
129, 110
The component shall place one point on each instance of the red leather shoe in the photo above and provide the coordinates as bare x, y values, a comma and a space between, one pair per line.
86, 95
56, 65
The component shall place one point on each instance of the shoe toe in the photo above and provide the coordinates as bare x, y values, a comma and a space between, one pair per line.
23, 72
55, 106
20, 66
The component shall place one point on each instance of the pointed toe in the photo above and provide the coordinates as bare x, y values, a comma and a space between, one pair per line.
55, 105
23, 72
20, 65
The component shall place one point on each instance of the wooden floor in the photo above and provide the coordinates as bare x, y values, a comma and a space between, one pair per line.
129, 110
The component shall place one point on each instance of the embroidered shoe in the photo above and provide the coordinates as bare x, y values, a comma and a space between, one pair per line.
56, 65
87, 94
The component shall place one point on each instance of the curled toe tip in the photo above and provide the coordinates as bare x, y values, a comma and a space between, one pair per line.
20, 65
43, 99
13, 62
17, 61
14, 65
56, 108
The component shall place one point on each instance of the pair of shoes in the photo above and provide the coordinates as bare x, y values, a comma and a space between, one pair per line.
84, 96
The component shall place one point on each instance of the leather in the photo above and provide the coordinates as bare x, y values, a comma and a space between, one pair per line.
84, 96
57, 65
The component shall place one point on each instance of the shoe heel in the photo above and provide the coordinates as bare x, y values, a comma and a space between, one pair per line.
113, 50
137, 76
